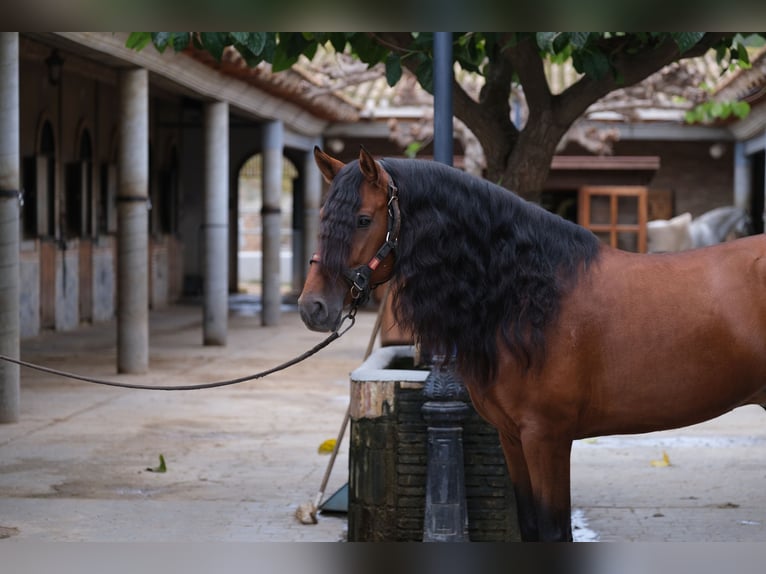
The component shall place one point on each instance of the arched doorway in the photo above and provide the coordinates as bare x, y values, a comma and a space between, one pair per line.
249, 225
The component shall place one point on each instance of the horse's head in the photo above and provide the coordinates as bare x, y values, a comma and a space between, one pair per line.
358, 231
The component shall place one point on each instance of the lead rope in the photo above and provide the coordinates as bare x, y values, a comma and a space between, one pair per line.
351, 316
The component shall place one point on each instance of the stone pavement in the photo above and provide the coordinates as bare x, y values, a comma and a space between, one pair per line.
241, 459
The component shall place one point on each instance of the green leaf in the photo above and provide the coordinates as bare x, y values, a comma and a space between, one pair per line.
561, 42
161, 468
338, 41
282, 59
138, 40
161, 40
290, 46
425, 75
741, 109
687, 40
744, 58
253, 41
367, 50
579, 39
545, 40
593, 64
310, 50
393, 69
180, 40
251, 59
214, 42
412, 149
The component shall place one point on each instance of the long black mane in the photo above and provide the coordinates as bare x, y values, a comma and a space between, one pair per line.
474, 261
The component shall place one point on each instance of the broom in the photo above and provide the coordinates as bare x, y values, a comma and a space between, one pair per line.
307, 513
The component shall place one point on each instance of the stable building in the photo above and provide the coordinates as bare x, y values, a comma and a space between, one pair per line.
118, 178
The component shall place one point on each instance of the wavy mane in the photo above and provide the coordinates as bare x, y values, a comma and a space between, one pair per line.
338, 220
474, 261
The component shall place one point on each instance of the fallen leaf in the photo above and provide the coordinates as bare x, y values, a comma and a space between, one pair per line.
160, 468
665, 461
327, 446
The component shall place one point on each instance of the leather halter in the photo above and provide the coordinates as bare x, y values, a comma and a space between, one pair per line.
359, 277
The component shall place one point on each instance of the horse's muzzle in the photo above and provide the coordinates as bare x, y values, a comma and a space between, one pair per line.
317, 314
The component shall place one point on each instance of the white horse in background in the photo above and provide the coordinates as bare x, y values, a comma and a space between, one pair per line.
683, 232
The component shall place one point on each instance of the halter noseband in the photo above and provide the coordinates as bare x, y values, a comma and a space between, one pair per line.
359, 277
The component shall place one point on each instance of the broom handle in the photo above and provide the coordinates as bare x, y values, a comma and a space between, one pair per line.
346, 417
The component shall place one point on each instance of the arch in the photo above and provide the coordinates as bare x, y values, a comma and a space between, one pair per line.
106, 209
46, 139
78, 189
85, 147
249, 200
45, 177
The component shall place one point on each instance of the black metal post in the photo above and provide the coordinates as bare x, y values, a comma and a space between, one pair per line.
443, 75
446, 513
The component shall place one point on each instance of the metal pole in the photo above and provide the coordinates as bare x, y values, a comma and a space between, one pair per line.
443, 76
446, 514
9, 225
132, 224
216, 223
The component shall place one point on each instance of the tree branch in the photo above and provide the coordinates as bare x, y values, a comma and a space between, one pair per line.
525, 59
631, 68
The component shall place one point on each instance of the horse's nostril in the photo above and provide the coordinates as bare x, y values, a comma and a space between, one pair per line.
319, 312
313, 311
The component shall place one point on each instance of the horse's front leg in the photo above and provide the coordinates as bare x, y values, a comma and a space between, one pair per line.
548, 462
522, 487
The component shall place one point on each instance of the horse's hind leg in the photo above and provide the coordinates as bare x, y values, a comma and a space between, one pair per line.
522, 487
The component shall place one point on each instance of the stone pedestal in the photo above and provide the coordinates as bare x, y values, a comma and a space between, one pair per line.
388, 458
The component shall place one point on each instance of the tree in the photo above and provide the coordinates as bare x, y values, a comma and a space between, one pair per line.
517, 158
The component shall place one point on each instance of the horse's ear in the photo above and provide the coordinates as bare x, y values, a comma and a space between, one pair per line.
368, 165
328, 165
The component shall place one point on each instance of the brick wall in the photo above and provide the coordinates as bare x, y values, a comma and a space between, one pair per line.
698, 181
387, 475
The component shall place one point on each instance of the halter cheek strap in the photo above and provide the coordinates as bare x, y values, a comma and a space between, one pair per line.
359, 277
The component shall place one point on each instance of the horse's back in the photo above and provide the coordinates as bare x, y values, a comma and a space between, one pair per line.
664, 340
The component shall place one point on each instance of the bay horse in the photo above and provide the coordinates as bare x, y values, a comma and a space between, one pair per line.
557, 336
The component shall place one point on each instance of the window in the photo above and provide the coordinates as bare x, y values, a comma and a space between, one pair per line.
617, 215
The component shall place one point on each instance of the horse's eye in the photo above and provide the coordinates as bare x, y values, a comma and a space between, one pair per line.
363, 221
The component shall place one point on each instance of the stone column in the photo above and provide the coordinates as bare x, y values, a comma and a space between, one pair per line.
271, 217
216, 224
132, 223
9, 225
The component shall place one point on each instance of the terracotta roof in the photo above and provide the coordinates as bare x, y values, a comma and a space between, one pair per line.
290, 85
746, 84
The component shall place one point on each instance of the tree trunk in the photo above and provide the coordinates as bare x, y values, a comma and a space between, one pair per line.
528, 165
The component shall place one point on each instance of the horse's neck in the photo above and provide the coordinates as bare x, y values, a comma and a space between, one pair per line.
715, 227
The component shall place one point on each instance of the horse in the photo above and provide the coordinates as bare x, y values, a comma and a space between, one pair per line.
719, 225
684, 232
556, 336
